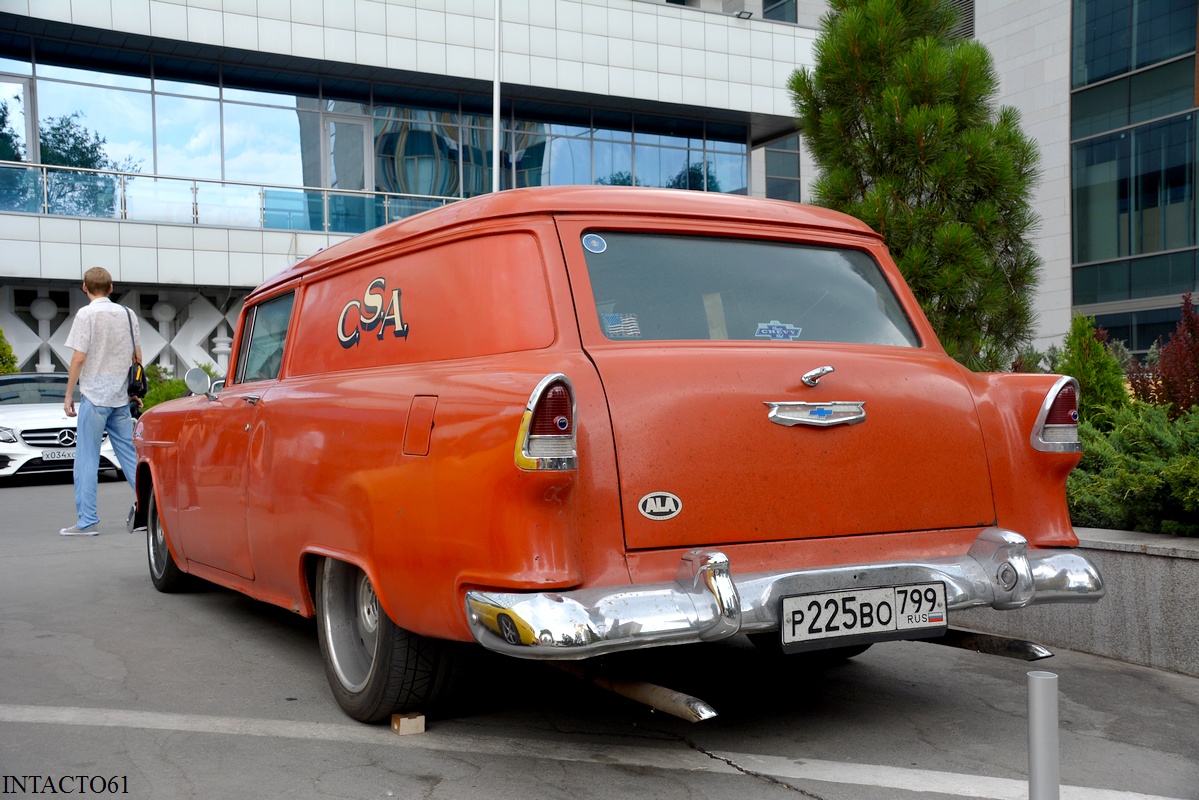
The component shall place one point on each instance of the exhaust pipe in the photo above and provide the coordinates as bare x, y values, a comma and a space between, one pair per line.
992, 645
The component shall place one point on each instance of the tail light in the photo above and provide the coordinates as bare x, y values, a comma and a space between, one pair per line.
1056, 428
547, 440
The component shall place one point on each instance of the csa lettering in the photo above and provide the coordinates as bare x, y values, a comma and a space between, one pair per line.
374, 311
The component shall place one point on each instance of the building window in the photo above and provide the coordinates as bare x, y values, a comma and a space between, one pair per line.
230, 145
782, 169
780, 10
1139, 330
1112, 37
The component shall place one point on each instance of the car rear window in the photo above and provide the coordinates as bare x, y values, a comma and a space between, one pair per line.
658, 287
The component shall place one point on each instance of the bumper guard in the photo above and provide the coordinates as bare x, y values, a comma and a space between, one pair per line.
705, 602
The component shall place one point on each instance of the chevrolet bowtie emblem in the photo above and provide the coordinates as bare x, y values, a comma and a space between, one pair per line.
838, 412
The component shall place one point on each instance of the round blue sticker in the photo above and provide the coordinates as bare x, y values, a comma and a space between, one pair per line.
595, 243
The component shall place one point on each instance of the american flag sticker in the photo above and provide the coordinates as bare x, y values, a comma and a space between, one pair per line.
621, 326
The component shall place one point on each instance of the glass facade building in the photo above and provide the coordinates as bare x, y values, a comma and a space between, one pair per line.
218, 144
195, 151
1133, 140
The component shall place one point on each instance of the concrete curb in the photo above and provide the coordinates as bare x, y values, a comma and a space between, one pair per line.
1148, 616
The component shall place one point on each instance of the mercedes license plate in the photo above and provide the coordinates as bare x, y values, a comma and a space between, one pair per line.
890, 612
58, 455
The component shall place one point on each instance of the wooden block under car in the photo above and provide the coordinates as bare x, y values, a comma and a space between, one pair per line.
404, 724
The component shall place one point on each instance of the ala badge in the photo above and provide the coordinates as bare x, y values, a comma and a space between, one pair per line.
660, 505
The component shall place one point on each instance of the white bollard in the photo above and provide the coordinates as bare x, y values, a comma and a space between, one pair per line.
1044, 777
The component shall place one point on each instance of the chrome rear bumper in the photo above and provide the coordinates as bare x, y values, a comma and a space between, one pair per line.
705, 602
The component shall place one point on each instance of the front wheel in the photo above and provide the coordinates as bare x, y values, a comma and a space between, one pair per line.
374, 667
164, 572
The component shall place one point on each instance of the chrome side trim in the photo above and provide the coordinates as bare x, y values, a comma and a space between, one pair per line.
822, 415
705, 602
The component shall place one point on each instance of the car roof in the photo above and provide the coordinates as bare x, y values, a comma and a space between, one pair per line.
589, 200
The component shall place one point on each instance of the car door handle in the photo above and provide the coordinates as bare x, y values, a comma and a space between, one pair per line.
252, 399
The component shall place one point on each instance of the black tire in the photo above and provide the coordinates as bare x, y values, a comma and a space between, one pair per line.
164, 572
770, 644
508, 629
375, 668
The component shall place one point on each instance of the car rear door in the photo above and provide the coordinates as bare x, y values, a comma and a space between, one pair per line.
703, 342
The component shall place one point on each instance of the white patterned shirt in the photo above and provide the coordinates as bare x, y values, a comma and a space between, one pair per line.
101, 331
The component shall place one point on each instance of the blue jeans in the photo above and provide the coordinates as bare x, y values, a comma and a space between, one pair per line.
93, 422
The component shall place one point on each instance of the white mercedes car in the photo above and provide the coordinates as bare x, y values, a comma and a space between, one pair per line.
35, 434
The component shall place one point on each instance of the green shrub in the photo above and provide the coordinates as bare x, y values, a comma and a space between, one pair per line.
164, 390
164, 387
1086, 357
8, 359
1141, 475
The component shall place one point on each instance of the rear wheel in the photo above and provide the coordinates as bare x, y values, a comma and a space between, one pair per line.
374, 667
164, 572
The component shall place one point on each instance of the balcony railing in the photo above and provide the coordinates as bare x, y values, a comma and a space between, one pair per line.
104, 194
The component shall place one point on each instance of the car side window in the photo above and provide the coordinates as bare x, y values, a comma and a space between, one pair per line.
263, 341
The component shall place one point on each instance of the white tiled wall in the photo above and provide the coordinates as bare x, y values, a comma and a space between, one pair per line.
1030, 43
630, 48
57, 248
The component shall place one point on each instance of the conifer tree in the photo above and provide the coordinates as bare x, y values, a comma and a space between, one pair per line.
900, 119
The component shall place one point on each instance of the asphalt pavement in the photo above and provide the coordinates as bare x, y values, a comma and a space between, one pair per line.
108, 687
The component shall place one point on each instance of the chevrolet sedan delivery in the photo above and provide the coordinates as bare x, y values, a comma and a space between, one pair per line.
570, 421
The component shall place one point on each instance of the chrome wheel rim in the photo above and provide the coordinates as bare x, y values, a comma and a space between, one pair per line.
508, 629
156, 542
350, 615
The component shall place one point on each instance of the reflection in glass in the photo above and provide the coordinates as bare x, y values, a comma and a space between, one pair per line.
184, 88
93, 75
260, 98
228, 204
347, 154
12, 122
188, 133
272, 145
21, 189
613, 164
400, 207
665, 167
1098, 109
95, 128
293, 209
1164, 29
159, 200
727, 173
1164, 90
16, 67
83, 194
1101, 43
476, 163
1101, 198
1165, 185
659, 287
354, 213
1170, 274
418, 156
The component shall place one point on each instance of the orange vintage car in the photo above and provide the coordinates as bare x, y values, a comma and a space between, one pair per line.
570, 421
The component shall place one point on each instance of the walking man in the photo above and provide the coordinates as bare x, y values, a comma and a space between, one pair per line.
105, 338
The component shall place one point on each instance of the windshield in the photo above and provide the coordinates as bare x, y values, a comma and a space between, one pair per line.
33, 389
658, 287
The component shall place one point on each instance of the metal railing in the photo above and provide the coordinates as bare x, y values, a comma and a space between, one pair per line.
108, 194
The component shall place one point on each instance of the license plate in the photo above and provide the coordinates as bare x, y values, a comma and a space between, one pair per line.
889, 612
58, 455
